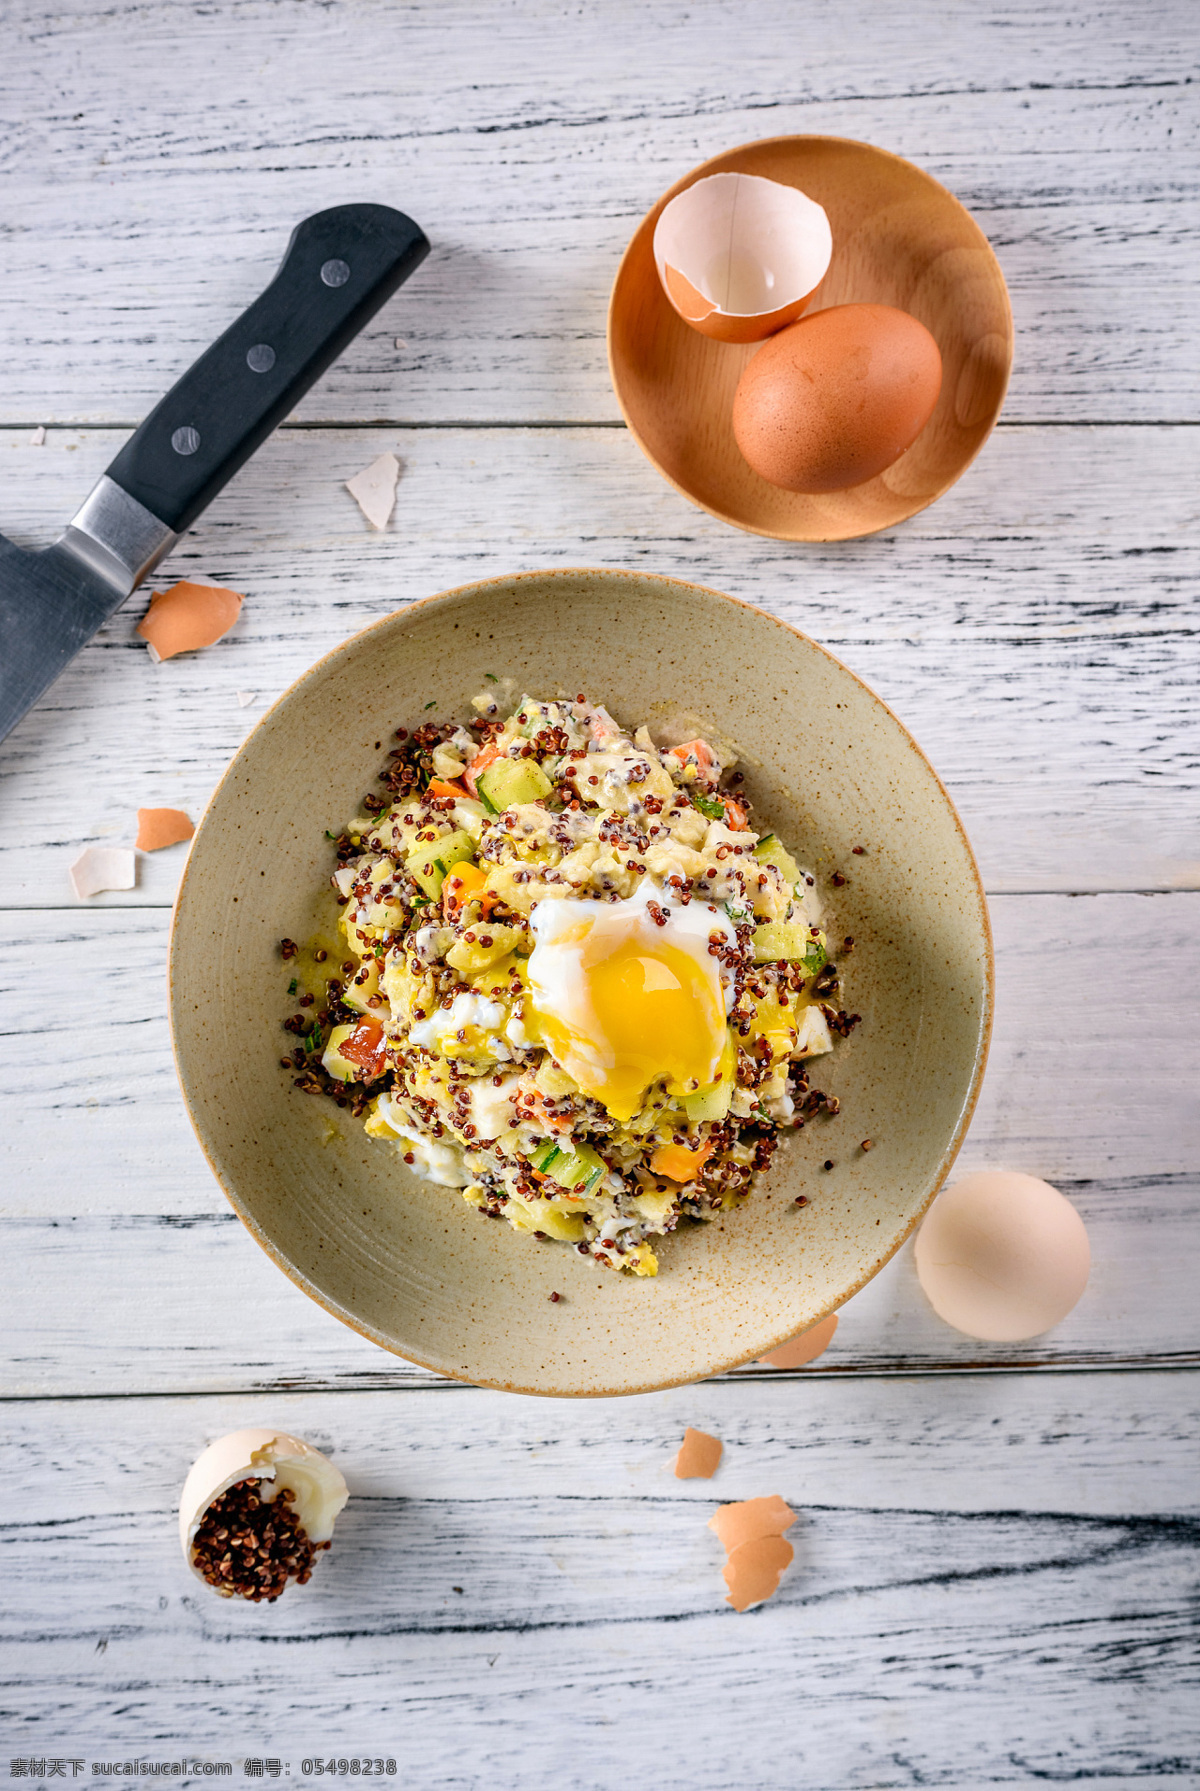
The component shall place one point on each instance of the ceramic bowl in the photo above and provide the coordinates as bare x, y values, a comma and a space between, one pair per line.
899, 238
411, 1265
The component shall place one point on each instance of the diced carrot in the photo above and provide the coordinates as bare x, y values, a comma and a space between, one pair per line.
735, 814
699, 750
679, 1164
441, 786
464, 881
483, 758
365, 1046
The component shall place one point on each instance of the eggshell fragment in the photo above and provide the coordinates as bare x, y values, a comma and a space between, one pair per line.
245, 698
837, 398
749, 1519
805, 1347
103, 867
271, 1456
739, 256
699, 1457
188, 616
374, 489
1002, 1256
159, 827
753, 1570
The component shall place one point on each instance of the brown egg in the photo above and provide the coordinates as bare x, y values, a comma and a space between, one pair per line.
834, 399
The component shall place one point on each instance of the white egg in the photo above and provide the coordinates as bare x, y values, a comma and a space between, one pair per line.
1002, 1256
622, 993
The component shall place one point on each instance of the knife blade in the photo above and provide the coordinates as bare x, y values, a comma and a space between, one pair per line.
340, 266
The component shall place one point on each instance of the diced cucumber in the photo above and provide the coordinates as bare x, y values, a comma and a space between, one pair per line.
709, 1103
578, 1170
788, 939
580, 1173
506, 782
428, 864
770, 850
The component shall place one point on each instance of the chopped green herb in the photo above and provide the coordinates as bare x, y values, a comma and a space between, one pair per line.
708, 805
491, 677
430, 705
293, 986
330, 836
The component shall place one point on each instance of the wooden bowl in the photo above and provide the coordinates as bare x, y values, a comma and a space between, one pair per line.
411, 1265
898, 239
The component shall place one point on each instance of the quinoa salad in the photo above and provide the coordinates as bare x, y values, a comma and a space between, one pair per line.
572, 977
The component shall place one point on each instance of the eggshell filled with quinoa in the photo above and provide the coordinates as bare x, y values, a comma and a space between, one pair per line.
256, 1507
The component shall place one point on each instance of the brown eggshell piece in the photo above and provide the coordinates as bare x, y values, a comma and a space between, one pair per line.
836, 398
749, 1519
159, 827
189, 616
700, 1456
753, 1569
805, 1348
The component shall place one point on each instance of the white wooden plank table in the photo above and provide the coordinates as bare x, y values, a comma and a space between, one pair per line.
997, 1550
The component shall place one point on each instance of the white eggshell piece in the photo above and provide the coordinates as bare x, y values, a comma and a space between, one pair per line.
740, 247
103, 867
1002, 1256
271, 1456
374, 489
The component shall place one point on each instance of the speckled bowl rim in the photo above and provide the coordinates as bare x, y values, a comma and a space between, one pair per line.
716, 164
949, 1153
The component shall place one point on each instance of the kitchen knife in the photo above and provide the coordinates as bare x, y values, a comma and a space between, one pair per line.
340, 267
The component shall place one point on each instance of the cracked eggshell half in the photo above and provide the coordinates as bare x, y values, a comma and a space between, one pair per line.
278, 1460
739, 256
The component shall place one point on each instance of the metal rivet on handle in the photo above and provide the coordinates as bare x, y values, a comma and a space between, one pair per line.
186, 440
260, 358
335, 273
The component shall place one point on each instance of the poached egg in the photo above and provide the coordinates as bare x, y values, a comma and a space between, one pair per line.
623, 993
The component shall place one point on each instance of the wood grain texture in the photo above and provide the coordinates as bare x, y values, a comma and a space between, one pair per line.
995, 1572
1036, 629
122, 1267
514, 1600
528, 143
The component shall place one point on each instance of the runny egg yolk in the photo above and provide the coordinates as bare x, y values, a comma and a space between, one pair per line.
620, 1002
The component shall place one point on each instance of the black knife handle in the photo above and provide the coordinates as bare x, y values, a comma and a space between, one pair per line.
340, 267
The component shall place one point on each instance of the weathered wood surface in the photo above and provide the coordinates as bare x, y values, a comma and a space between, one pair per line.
1036, 629
995, 1570
183, 141
122, 1268
521, 1595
